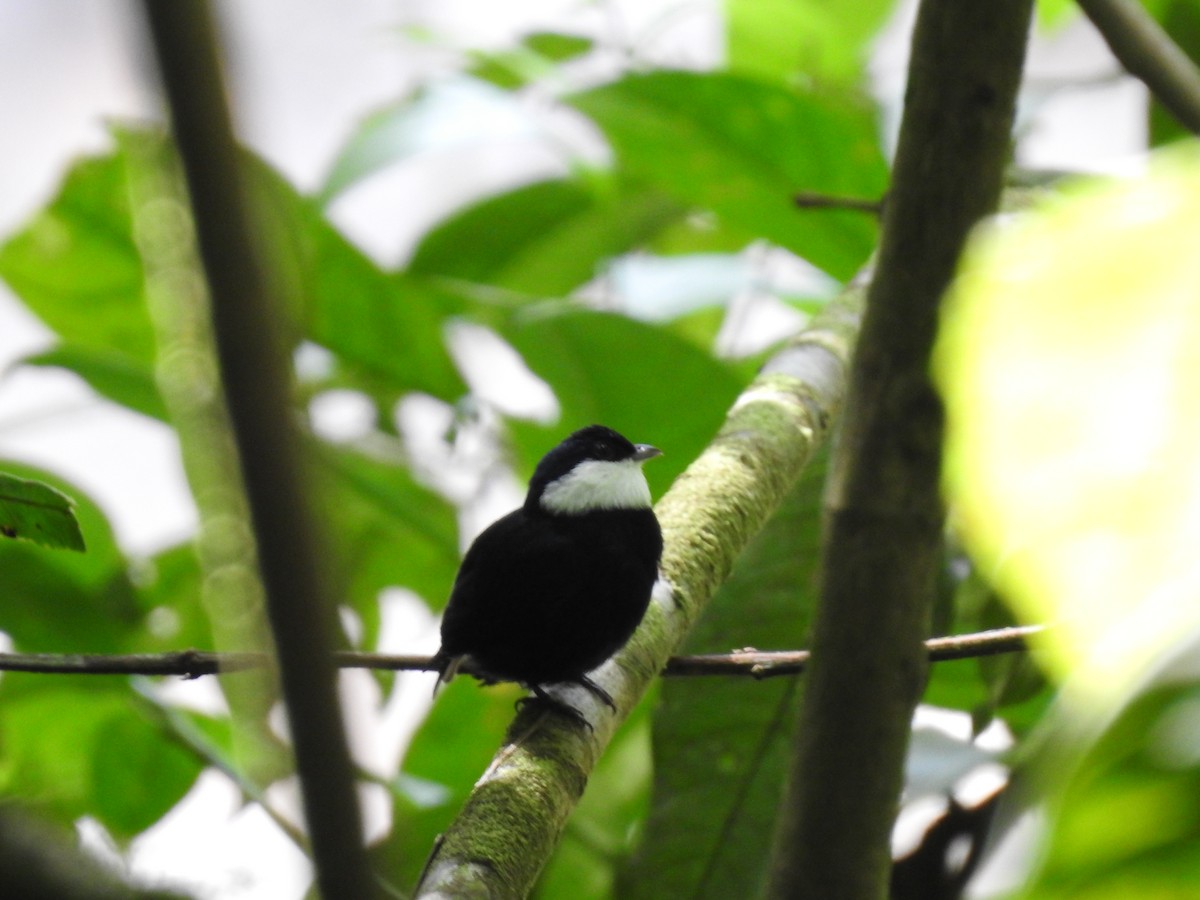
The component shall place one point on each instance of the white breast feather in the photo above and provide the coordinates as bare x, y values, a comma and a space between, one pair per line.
598, 484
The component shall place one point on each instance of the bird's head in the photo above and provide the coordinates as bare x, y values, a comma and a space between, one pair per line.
595, 468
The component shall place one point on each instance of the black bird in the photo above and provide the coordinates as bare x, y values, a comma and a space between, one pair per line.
553, 589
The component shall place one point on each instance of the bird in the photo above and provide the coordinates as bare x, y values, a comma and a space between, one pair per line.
550, 591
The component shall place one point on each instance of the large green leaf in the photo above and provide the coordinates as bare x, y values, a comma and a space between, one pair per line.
385, 531
721, 745
77, 745
127, 746
58, 602
383, 328
545, 238
744, 149
34, 511
76, 267
49, 727
1080, 504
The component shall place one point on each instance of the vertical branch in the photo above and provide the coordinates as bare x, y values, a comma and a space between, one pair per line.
257, 387
885, 517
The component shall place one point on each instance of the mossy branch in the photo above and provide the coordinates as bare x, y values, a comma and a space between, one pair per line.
515, 815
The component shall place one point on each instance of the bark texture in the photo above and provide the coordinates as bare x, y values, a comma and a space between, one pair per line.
882, 546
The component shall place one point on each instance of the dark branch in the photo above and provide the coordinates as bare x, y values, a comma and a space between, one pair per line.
883, 534
742, 663
257, 387
1148, 53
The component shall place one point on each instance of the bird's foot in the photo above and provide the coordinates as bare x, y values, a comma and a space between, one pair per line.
553, 703
598, 692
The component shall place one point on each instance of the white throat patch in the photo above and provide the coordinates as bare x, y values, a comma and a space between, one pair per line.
598, 484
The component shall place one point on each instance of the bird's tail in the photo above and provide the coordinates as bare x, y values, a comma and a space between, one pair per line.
447, 668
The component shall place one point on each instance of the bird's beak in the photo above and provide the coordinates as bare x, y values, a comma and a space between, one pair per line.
643, 452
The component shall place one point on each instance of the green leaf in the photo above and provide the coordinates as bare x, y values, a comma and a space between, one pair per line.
67, 602
1122, 818
49, 727
169, 588
721, 745
743, 149
545, 238
77, 745
385, 530
126, 747
76, 267
803, 41
628, 375
557, 47
114, 375
34, 511
383, 328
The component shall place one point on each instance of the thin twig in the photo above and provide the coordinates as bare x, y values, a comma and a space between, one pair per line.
768, 664
1148, 53
739, 663
809, 200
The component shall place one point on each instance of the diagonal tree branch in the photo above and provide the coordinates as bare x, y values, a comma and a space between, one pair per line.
883, 540
257, 388
1148, 53
516, 813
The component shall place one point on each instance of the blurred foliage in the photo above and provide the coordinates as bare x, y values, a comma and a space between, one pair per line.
802, 42
1068, 367
1126, 823
1094, 523
693, 163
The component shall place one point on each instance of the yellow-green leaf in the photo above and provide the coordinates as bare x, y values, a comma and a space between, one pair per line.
1068, 361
